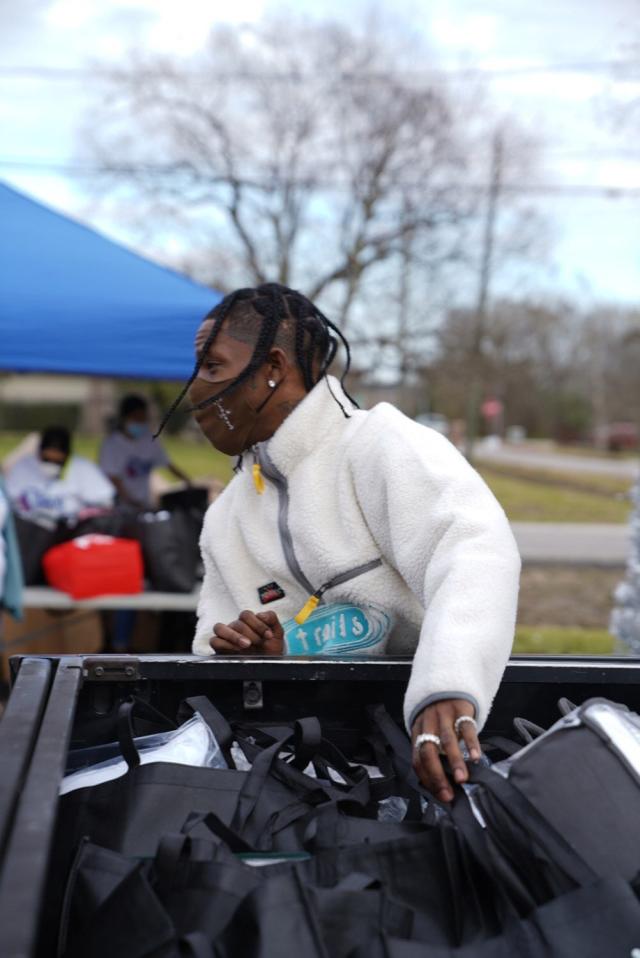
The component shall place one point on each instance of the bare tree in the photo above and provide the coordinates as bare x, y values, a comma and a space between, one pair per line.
622, 105
302, 152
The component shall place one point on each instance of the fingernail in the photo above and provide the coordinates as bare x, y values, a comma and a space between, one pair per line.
245, 642
268, 634
459, 775
475, 754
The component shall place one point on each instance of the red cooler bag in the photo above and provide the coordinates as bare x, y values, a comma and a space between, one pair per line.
95, 565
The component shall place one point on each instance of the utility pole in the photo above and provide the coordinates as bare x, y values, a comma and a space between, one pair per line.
404, 298
474, 395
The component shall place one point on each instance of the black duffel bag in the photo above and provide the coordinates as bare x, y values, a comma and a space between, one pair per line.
34, 539
579, 780
119, 522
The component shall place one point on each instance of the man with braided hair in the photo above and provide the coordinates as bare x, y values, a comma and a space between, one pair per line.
359, 531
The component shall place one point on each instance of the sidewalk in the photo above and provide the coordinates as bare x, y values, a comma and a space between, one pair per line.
572, 543
524, 457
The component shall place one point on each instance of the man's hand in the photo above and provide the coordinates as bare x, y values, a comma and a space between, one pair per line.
438, 719
251, 634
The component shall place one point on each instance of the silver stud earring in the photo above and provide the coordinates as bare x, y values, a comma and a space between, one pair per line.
271, 383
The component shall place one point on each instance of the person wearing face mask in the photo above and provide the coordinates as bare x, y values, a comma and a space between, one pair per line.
53, 484
130, 453
345, 530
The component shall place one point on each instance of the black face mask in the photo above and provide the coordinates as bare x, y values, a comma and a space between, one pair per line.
237, 416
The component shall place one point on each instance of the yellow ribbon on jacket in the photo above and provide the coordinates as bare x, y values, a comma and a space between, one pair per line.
258, 478
310, 606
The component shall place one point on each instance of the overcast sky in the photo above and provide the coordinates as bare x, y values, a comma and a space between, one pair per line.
550, 62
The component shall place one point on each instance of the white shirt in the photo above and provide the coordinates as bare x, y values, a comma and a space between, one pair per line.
373, 486
34, 495
131, 461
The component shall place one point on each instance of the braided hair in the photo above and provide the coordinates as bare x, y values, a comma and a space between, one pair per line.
286, 318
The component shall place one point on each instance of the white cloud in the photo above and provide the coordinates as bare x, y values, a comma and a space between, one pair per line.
70, 14
474, 34
182, 28
109, 28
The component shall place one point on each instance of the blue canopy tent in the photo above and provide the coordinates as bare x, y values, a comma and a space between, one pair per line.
72, 301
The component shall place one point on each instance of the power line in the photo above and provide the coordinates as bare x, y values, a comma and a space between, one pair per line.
593, 151
102, 72
551, 189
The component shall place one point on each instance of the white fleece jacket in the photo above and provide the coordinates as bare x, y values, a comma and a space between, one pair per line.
350, 490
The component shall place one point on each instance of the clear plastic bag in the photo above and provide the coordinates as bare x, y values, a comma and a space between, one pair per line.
392, 809
240, 760
192, 744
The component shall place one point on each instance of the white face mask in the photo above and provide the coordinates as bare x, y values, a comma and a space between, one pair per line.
51, 470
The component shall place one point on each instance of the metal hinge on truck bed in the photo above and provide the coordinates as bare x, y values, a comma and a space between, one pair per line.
109, 668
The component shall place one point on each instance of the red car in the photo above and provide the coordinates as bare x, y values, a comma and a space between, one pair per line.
618, 436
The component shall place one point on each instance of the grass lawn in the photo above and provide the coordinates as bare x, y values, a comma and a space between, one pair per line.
589, 452
595, 484
558, 640
528, 496
199, 459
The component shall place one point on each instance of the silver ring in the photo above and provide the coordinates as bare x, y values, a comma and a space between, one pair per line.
463, 718
425, 737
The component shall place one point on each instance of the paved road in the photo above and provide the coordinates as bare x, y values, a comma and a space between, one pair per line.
560, 462
573, 543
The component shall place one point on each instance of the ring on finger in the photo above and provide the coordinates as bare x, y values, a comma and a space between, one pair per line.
427, 737
463, 718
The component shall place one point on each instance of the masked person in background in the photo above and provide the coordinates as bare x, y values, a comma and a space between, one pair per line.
130, 453
54, 484
359, 531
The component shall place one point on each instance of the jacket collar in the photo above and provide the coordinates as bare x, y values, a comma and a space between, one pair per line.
306, 427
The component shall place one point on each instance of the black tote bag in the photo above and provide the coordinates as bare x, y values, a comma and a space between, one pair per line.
430, 873
110, 909
352, 816
253, 912
195, 498
189, 506
426, 890
599, 921
170, 559
268, 807
130, 814
195, 888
